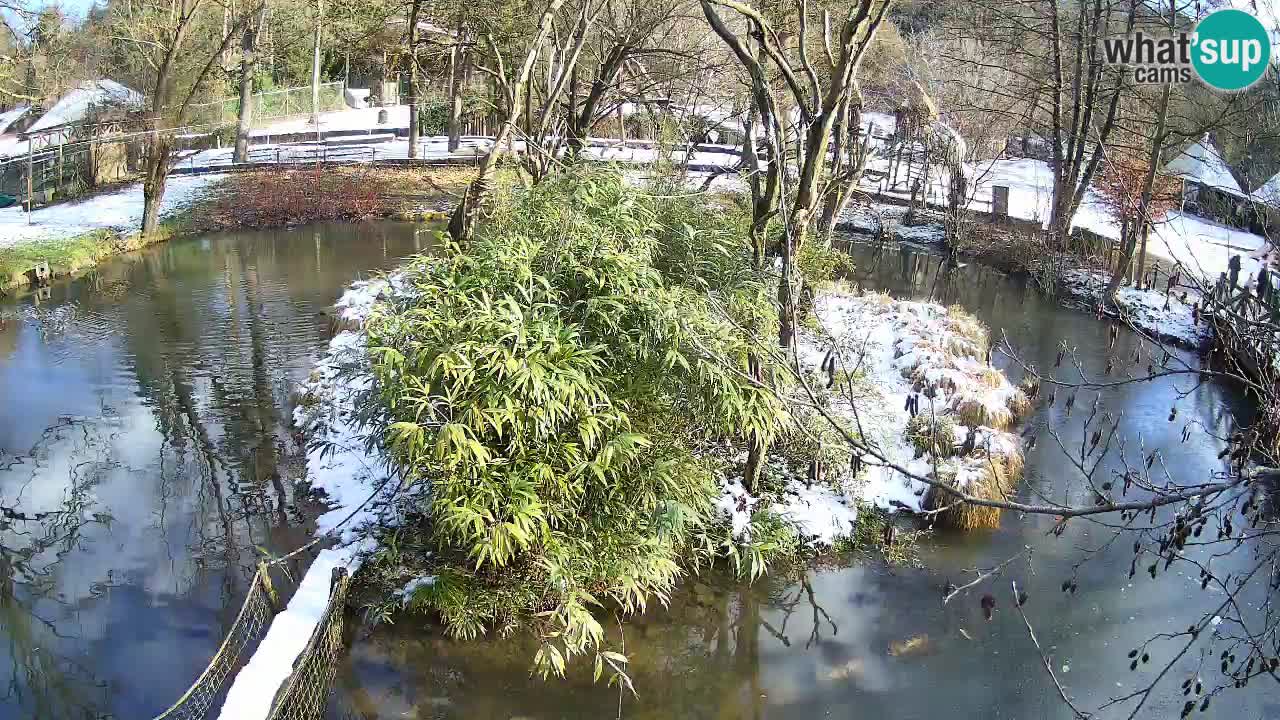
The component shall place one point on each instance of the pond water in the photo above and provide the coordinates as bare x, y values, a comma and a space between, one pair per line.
857, 639
144, 410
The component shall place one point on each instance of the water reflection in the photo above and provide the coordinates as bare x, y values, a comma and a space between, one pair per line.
146, 451
872, 642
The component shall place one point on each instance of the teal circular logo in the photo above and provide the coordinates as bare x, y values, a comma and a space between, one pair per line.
1231, 50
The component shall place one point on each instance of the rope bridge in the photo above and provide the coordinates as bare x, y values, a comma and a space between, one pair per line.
305, 693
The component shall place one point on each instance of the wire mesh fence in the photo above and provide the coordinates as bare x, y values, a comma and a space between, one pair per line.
306, 693
270, 105
249, 627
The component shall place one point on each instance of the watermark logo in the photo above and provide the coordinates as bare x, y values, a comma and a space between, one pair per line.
1229, 50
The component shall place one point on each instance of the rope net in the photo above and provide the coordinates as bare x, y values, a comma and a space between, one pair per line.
249, 627
306, 693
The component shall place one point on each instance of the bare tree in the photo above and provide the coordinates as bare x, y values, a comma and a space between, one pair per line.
1049, 52
628, 33
821, 99
462, 222
248, 61
166, 37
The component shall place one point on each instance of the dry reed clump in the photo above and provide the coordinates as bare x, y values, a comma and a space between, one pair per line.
993, 378
1020, 404
880, 299
967, 326
936, 436
945, 357
990, 478
973, 412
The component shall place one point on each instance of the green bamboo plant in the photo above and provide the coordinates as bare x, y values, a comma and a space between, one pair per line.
552, 385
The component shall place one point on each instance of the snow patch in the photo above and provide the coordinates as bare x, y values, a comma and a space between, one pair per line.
406, 593
120, 210
899, 350
9, 117
903, 350
1161, 316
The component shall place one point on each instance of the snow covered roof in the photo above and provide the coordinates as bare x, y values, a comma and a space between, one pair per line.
9, 117
425, 26
1201, 162
75, 105
1269, 192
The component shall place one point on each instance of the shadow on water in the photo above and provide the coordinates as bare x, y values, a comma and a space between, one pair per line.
836, 643
145, 425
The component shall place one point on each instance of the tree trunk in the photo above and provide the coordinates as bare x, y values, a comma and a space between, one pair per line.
414, 121
379, 82
153, 184
1142, 251
457, 56
755, 463
315, 72
244, 119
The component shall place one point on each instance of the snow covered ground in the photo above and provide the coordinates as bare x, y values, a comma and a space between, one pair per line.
120, 210
1205, 247
901, 349
429, 148
1202, 246
339, 121
1159, 315
354, 481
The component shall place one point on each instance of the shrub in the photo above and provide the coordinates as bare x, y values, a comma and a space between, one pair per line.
433, 112
547, 384
819, 265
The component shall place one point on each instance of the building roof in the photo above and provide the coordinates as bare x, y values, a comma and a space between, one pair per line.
1201, 162
9, 117
1269, 192
75, 105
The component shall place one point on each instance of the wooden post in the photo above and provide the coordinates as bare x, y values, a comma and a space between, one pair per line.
999, 201
30, 171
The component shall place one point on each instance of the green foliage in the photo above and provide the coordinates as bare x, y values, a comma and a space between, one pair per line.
812, 436
548, 384
433, 113
770, 539
869, 537
819, 265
